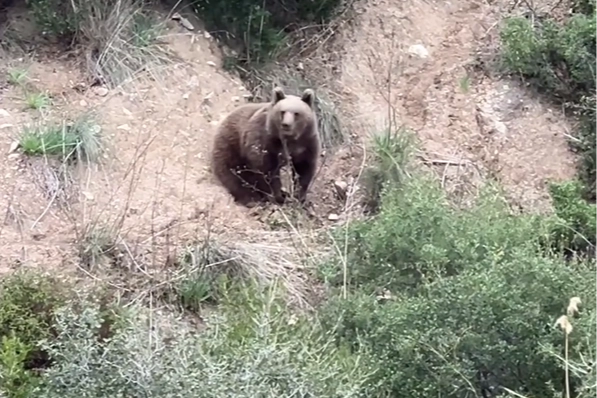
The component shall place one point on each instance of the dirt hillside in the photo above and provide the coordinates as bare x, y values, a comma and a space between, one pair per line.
156, 179
470, 124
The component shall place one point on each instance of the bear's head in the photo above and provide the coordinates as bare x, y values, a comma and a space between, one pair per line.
291, 115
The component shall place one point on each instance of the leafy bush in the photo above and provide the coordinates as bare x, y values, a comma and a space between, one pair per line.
460, 302
260, 27
418, 236
15, 379
27, 304
576, 225
55, 17
488, 327
559, 60
255, 349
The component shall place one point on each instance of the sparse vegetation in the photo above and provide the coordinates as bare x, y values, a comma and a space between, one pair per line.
37, 101
120, 36
558, 59
73, 141
17, 76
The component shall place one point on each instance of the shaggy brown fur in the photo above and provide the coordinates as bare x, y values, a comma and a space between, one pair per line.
255, 140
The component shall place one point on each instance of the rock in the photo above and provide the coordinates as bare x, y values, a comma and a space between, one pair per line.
419, 50
101, 91
187, 24
194, 81
206, 35
5, 126
489, 122
83, 103
88, 195
4, 113
13, 156
185, 96
333, 217
236, 98
341, 188
13, 146
183, 21
125, 127
211, 63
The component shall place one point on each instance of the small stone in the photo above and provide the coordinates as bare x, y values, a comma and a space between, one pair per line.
211, 63
13, 146
5, 126
236, 98
206, 35
83, 103
194, 82
101, 91
185, 96
13, 156
419, 50
4, 113
333, 217
186, 24
88, 195
341, 188
124, 127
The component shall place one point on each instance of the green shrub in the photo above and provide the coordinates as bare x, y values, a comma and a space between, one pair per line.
418, 236
255, 348
15, 380
55, 17
489, 327
27, 304
258, 27
576, 225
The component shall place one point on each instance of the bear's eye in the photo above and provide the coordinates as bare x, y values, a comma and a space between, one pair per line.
296, 114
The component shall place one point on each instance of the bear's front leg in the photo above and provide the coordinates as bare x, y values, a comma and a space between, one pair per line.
272, 178
279, 195
303, 173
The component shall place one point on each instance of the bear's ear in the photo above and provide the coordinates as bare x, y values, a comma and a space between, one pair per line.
308, 97
278, 95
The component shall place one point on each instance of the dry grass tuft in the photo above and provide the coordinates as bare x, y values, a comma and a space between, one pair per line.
97, 246
267, 258
121, 39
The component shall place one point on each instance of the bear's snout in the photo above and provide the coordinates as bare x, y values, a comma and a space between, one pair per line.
287, 120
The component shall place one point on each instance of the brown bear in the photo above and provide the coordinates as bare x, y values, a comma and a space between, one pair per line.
256, 140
